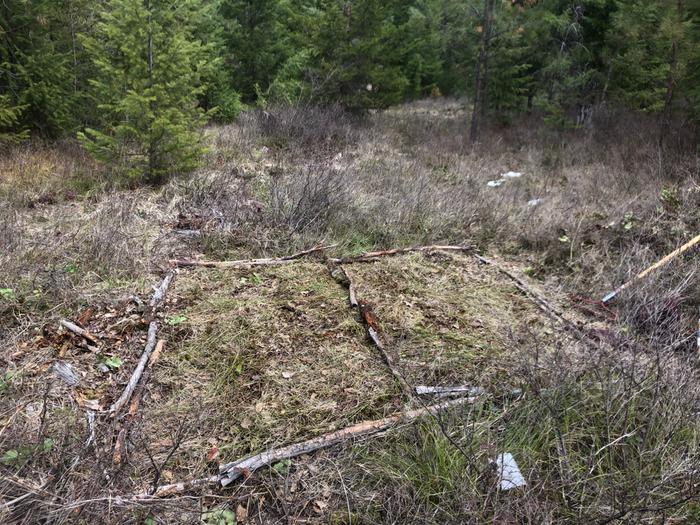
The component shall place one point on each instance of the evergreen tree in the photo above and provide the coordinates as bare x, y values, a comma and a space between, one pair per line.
149, 77
357, 59
9, 120
42, 64
653, 42
258, 42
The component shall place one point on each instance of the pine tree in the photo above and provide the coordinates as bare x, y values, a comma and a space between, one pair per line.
10, 132
149, 77
357, 59
41, 62
653, 43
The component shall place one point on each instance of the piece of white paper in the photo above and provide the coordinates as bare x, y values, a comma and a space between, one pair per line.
508, 472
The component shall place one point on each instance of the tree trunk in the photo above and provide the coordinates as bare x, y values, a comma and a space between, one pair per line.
482, 77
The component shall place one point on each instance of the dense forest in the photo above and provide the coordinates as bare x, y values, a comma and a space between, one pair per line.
136, 79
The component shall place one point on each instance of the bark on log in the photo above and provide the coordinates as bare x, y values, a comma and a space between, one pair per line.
234, 470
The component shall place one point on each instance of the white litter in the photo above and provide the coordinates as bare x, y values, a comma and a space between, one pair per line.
495, 183
534, 202
512, 175
508, 472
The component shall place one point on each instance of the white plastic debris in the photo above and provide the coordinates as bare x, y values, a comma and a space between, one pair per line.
508, 472
495, 183
534, 202
512, 175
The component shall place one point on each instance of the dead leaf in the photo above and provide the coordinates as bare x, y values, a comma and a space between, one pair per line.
320, 506
212, 454
241, 514
287, 375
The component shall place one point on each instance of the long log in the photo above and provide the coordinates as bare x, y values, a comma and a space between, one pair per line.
230, 472
249, 263
276, 261
662, 262
371, 256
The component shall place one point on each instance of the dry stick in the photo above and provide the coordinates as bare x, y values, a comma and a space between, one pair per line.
134, 406
79, 331
371, 256
422, 390
655, 266
133, 381
544, 305
158, 297
232, 471
275, 261
540, 301
370, 321
249, 263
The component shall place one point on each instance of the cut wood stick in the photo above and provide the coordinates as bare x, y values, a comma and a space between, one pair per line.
663, 262
540, 301
234, 470
370, 256
120, 445
159, 293
156, 300
140, 367
249, 263
372, 326
79, 331
449, 390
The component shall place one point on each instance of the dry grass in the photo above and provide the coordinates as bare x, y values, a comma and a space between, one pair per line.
605, 434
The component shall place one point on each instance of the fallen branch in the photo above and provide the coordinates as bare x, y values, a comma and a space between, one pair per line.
120, 445
156, 300
540, 301
370, 321
663, 262
371, 256
276, 261
230, 472
250, 263
133, 381
448, 390
79, 331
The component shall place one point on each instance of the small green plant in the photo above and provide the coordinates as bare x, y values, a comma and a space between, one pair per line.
176, 320
219, 517
629, 221
670, 199
111, 362
282, 467
7, 294
6, 381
